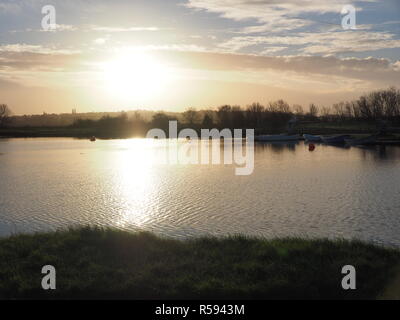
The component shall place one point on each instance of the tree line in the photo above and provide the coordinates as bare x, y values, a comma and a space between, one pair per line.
377, 105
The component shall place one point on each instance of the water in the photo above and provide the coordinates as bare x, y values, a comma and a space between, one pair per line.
46, 184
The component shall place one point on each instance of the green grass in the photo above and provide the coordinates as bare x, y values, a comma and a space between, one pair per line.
109, 264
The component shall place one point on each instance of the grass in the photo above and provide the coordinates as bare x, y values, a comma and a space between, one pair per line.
95, 263
34, 132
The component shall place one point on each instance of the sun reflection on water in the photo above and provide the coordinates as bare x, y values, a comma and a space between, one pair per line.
135, 181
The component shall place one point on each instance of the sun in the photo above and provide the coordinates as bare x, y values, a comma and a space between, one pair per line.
135, 76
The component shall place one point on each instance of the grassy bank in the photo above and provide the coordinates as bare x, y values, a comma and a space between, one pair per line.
95, 263
46, 132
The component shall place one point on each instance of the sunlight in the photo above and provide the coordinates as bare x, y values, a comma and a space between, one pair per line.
135, 75
136, 181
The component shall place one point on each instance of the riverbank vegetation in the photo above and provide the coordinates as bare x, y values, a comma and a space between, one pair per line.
378, 111
109, 264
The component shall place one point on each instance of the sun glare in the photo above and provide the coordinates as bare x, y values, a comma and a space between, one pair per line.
135, 76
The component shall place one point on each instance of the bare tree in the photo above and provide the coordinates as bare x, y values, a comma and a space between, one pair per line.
225, 116
298, 109
326, 112
279, 106
339, 109
313, 111
5, 113
255, 114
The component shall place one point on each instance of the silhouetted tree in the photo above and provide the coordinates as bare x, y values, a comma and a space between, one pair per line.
5, 113
326, 113
313, 111
225, 116
298, 109
254, 114
277, 114
279, 106
340, 110
190, 116
238, 117
160, 120
208, 122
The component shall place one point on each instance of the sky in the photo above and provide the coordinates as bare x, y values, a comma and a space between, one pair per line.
174, 54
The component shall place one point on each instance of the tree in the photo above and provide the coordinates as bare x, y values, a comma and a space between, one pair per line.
160, 120
326, 112
255, 114
283, 106
190, 116
208, 122
298, 109
313, 110
339, 109
238, 118
5, 113
364, 108
137, 117
225, 116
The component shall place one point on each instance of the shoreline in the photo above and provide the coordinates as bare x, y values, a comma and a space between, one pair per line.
95, 263
117, 133
393, 140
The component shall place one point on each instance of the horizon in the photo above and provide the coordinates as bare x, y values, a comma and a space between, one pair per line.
305, 108
104, 57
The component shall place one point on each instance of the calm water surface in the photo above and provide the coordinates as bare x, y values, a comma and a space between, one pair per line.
332, 192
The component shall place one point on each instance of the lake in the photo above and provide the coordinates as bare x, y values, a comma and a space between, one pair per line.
46, 184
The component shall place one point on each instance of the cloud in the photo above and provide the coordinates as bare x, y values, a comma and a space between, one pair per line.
61, 27
85, 28
123, 29
319, 42
270, 50
365, 69
262, 9
28, 48
272, 13
283, 23
9, 7
28, 58
20, 61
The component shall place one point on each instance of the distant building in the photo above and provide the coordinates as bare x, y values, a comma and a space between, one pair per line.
73, 111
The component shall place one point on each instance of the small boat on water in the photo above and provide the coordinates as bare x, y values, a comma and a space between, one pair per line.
370, 140
335, 139
277, 138
312, 138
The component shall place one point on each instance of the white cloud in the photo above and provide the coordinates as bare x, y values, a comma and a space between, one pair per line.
123, 29
270, 50
272, 13
281, 22
27, 48
320, 42
263, 9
